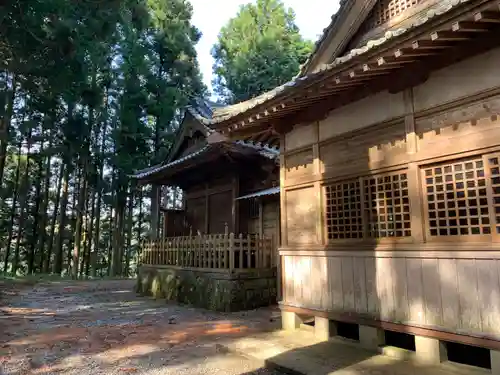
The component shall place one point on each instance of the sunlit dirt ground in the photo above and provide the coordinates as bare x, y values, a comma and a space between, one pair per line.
103, 327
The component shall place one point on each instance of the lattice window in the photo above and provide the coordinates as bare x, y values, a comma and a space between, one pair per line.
494, 169
387, 206
385, 10
253, 208
343, 210
457, 201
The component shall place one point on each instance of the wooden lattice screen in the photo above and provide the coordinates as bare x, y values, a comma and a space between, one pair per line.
457, 199
387, 206
343, 210
368, 207
386, 10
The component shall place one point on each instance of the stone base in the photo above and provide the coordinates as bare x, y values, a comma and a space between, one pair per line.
211, 290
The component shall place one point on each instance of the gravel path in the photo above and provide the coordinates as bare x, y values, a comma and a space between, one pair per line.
102, 327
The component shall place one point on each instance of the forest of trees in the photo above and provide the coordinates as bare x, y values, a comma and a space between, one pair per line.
90, 91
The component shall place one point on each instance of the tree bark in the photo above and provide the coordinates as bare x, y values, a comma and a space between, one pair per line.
4, 139
37, 214
58, 261
130, 225
22, 207
90, 229
80, 210
46, 264
15, 197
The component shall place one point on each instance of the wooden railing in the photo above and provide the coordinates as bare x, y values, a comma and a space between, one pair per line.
211, 252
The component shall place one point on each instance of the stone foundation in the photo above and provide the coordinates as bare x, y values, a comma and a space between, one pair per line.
211, 290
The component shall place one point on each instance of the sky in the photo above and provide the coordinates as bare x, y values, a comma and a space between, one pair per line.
312, 16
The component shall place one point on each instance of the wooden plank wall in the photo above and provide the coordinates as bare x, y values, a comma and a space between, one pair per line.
434, 282
448, 293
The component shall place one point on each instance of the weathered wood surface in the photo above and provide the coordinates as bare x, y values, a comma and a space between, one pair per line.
454, 294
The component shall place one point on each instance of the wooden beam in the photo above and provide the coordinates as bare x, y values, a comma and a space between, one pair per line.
472, 27
375, 67
487, 17
395, 61
366, 74
430, 44
411, 52
446, 35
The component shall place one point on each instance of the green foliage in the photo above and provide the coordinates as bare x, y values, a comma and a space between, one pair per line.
88, 89
259, 49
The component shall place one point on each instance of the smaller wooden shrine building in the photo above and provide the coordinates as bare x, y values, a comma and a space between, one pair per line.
217, 243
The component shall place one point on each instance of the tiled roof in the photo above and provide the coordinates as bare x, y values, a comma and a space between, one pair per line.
226, 113
266, 151
344, 4
261, 193
160, 167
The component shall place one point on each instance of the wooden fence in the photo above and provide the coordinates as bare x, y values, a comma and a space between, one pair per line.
211, 252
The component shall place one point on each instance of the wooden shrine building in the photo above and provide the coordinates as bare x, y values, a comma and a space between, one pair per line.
390, 178
220, 219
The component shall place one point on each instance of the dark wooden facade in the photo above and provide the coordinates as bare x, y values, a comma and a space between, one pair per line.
213, 173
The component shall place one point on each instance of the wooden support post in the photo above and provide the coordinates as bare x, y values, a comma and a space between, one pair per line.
207, 213
261, 218
231, 251
240, 238
249, 251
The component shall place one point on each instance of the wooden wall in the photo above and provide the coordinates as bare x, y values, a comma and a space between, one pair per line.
390, 205
211, 205
428, 290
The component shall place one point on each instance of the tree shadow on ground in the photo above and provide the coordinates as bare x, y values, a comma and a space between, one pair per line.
62, 330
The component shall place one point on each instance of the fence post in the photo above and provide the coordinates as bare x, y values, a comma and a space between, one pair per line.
249, 251
231, 251
241, 252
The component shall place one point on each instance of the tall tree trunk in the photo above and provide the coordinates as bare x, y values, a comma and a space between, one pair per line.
80, 211
74, 198
130, 224
23, 202
117, 252
139, 226
37, 214
90, 229
5, 128
58, 261
42, 230
95, 247
112, 226
46, 264
13, 212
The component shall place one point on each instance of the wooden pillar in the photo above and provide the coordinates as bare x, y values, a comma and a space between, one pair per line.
261, 218
155, 211
207, 228
414, 182
317, 187
236, 205
282, 228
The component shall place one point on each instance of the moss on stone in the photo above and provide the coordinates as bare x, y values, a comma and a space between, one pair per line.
208, 290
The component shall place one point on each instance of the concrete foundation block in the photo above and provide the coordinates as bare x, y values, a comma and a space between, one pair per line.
290, 321
324, 328
429, 351
495, 362
371, 337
